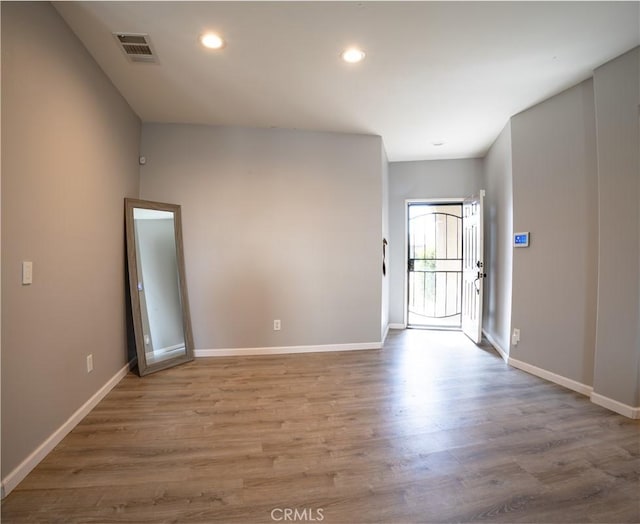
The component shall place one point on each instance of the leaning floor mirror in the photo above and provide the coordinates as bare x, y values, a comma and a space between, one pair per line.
157, 285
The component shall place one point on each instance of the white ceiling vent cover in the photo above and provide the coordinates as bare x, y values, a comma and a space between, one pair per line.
136, 46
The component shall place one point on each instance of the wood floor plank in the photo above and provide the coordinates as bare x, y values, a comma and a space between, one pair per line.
429, 429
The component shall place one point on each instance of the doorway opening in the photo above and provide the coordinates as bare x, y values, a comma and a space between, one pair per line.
434, 269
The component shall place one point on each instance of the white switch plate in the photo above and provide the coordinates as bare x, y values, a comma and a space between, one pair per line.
515, 338
276, 325
89, 363
27, 272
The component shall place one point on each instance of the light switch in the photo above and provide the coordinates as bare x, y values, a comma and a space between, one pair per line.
27, 272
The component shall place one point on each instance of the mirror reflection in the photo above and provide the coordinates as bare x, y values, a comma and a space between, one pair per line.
158, 290
158, 287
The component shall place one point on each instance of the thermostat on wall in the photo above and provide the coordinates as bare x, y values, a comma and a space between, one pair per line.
521, 239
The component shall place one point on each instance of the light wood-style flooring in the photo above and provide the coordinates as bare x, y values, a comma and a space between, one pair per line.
429, 429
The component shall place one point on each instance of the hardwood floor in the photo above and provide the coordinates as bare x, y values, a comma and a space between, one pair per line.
429, 429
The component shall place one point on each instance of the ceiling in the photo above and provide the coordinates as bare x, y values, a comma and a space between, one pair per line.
451, 72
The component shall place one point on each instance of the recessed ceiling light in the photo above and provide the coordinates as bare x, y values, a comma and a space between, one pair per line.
353, 55
211, 41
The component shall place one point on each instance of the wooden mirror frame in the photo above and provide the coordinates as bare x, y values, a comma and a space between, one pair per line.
132, 260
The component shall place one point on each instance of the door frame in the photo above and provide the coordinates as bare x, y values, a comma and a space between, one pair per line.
405, 278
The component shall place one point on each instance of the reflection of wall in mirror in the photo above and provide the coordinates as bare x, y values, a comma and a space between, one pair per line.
157, 256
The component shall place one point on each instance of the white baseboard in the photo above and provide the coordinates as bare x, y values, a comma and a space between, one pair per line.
22, 470
551, 377
504, 354
606, 402
385, 334
281, 350
397, 326
614, 405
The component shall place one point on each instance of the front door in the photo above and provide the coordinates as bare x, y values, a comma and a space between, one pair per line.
473, 267
434, 271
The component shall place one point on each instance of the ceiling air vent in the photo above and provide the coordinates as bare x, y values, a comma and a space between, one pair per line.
136, 46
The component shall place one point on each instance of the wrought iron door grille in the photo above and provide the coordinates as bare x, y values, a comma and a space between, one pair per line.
435, 265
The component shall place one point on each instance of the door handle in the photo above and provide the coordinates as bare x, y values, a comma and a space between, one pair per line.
475, 285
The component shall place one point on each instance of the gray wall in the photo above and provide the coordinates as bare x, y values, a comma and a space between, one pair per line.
555, 198
617, 99
278, 224
498, 230
69, 157
385, 234
421, 179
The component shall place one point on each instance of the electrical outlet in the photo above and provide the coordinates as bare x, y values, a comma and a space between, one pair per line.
276, 325
89, 363
515, 338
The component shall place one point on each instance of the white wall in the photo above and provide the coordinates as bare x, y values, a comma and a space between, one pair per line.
416, 180
278, 224
555, 198
498, 252
617, 100
69, 158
